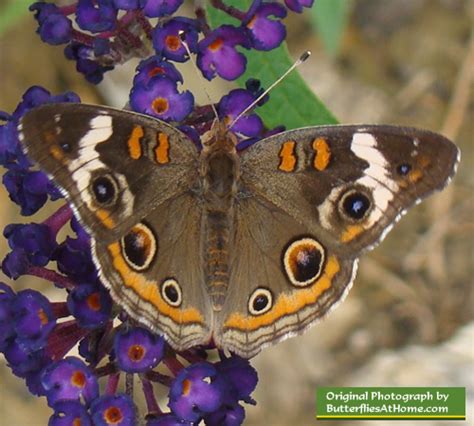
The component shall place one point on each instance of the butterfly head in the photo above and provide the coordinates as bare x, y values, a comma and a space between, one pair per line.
219, 138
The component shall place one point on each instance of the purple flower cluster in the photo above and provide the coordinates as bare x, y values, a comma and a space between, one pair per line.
36, 335
34, 344
101, 34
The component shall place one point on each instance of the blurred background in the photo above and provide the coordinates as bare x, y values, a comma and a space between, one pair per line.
408, 320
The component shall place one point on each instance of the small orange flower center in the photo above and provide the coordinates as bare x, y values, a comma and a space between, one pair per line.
216, 44
251, 23
156, 71
113, 415
43, 317
186, 387
78, 379
160, 105
77, 422
93, 301
136, 353
172, 42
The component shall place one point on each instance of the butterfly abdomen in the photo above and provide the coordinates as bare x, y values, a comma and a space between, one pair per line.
219, 173
216, 255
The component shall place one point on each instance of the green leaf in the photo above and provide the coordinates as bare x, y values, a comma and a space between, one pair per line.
292, 103
12, 13
329, 18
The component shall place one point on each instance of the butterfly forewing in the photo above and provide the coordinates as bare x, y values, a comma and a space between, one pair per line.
349, 182
114, 166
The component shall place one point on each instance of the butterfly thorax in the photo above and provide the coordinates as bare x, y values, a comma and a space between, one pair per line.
219, 170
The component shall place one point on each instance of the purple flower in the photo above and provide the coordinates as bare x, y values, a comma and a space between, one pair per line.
153, 66
33, 318
73, 256
168, 420
137, 350
36, 240
97, 16
266, 33
74, 259
126, 4
33, 380
192, 134
232, 104
25, 361
239, 376
15, 264
167, 41
157, 8
69, 412
160, 98
7, 296
37, 95
194, 393
218, 53
69, 379
54, 28
42, 10
10, 150
227, 415
113, 410
86, 62
90, 304
297, 5
28, 189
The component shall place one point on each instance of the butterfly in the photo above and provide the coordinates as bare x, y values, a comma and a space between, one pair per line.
241, 250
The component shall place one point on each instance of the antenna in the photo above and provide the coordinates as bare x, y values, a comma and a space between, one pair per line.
300, 60
182, 35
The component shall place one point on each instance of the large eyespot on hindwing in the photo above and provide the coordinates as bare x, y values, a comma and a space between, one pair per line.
139, 247
171, 292
104, 189
355, 204
303, 261
260, 301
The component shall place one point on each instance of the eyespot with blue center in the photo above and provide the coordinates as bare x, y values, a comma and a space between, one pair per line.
355, 204
104, 189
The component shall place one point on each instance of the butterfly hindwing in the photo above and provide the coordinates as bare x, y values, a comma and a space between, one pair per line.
155, 272
284, 276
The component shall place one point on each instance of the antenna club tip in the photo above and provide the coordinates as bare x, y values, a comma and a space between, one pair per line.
182, 35
305, 55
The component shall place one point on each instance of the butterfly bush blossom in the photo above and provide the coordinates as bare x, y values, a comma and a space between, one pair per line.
36, 335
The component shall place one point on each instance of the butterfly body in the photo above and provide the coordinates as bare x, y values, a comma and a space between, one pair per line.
219, 173
241, 249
